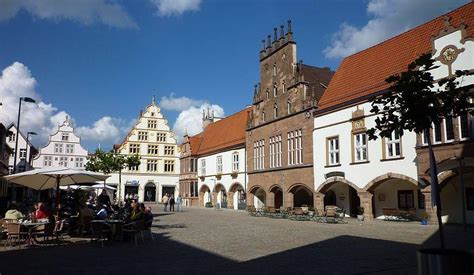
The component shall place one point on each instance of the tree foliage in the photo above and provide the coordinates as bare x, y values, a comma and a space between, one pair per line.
109, 162
415, 100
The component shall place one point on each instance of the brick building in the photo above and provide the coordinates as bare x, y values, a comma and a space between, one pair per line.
279, 128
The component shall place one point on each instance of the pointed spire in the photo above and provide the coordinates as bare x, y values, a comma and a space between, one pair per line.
263, 45
269, 41
282, 32
275, 36
289, 34
289, 26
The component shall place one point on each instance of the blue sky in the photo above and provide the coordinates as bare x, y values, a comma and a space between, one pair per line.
100, 61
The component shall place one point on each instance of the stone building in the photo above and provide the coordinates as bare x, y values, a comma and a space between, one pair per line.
5, 152
158, 173
393, 173
188, 180
64, 149
279, 131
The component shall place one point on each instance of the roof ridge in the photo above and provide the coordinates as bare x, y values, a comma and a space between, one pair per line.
407, 31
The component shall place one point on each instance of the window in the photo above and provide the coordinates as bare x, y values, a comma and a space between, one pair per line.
161, 137
425, 136
263, 116
464, 126
193, 187
58, 148
288, 106
275, 90
437, 132
275, 151
295, 147
169, 150
203, 167
448, 125
219, 164
47, 161
406, 199
133, 168
259, 155
392, 145
152, 165
142, 135
12, 137
283, 87
169, 166
274, 70
134, 148
470, 198
79, 162
22, 153
235, 161
152, 124
63, 161
333, 150
69, 148
193, 165
421, 199
153, 149
275, 110
152, 113
64, 136
360, 147
268, 94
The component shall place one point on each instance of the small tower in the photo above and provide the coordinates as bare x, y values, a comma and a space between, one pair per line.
207, 117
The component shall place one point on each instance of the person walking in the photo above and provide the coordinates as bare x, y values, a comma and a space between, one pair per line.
165, 201
179, 203
172, 201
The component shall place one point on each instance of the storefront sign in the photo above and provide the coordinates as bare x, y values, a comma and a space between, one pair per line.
334, 174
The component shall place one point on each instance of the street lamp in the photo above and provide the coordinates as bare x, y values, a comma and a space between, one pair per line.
25, 99
28, 156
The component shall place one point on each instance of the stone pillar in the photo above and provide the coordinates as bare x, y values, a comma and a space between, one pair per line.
270, 199
366, 203
430, 210
230, 200
214, 198
289, 200
250, 199
201, 199
318, 201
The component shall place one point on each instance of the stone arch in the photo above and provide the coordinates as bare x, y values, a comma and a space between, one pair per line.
235, 186
275, 196
255, 188
300, 194
257, 197
204, 188
150, 192
445, 177
330, 181
369, 187
219, 186
205, 195
236, 196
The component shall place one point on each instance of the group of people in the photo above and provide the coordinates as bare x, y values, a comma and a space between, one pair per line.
171, 201
38, 213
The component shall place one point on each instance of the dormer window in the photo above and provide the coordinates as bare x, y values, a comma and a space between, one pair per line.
65, 137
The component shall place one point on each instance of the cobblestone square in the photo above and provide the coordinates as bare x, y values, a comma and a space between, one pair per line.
224, 241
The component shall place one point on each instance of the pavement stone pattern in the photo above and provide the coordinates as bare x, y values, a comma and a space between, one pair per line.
208, 241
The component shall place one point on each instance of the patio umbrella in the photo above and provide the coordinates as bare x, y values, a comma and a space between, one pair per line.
101, 186
54, 177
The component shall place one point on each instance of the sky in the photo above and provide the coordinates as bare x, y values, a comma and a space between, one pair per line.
101, 61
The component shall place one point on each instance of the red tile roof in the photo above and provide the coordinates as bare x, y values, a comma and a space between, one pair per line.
225, 133
364, 73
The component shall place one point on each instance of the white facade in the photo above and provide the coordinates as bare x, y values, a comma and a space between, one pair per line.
63, 150
223, 175
24, 150
158, 172
362, 173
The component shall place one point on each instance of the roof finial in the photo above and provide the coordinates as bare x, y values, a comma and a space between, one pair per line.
282, 32
269, 41
153, 100
275, 36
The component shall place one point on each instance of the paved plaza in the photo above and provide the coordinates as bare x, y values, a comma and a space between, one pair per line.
224, 241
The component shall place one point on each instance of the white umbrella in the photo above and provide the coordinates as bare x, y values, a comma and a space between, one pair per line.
101, 186
54, 177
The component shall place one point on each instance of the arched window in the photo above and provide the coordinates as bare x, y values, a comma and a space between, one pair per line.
288, 105
283, 87
275, 90
275, 111
263, 116
274, 70
268, 94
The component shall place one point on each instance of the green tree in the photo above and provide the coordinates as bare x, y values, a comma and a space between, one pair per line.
414, 102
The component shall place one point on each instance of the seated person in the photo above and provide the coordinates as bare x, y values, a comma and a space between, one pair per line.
102, 214
13, 213
136, 214
103, 199
41, 212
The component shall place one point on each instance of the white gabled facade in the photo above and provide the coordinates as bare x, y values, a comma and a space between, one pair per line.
222, 178
26, 150
158, 173
63, 150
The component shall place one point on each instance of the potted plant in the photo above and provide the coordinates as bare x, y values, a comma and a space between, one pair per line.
360, 213
424, 218
209, 204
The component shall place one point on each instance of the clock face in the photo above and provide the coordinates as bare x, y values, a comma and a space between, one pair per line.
449, 54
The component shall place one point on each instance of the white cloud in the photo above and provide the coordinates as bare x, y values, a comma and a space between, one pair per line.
16, 81
190, 120
175, 7
389, 18
86, 12
173, 103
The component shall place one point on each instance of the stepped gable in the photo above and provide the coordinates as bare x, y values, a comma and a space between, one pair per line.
225, 133
364, 73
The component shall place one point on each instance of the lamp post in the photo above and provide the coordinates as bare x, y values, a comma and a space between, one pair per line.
28, 155
25, 99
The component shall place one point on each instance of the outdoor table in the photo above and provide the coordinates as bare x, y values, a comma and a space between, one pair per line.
31, 226
115, 226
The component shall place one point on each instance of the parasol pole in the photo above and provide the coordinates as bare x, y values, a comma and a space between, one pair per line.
58, 179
